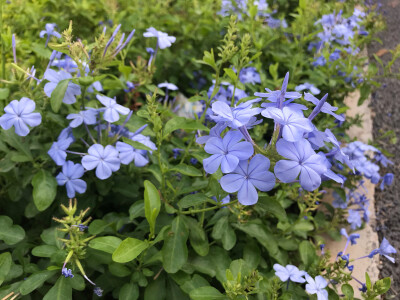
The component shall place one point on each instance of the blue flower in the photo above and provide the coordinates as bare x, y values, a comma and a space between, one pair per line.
293, 122
335, 55
58, 150
145, 140
289, 272
54, 77
354, 219
127, 153
247, 177
384, 249
50, 32
350, 238
104, 159
130, 87
279, 97
307, 86
67, 273
86, 116
20, 114
317, 286
168, 86
234, 117
226, 152
70, 178
163, 39
325, 108
303, 160
214, 132
249, 75
320, 61
387, 179
98, 291
113, 109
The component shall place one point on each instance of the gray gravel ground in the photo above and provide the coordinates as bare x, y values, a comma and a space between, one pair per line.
386, 108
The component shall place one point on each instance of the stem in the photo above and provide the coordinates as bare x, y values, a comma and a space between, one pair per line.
274, 138
187, 149
195, 211
3, 55
83, 97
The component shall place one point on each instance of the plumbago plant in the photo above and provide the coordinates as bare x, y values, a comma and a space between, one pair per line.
219, 196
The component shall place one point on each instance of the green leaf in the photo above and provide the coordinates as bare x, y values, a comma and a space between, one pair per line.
223, 231
62, 290
382, 285
184, 124
129, 291
193, 200
271, 206
232, 75
348, 291
174, 250
9, 233
58, 94
365, 91
105, 243
136, 144
302, 227
136, 210
98, 226
44, 250
4, 92
156, 289
5, 265
196, 282
15, 141
368, 282
35, 281
208, 59
44, 189
197, 237
206, 293
187, 170
307, 253
129, 249
152, 204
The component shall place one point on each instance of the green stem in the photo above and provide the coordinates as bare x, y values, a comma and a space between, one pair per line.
195, 211
3, 55
185, 154
274, 138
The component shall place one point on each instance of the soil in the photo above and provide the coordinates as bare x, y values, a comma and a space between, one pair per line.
385, 105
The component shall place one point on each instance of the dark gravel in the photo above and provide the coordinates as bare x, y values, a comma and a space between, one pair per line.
386, 108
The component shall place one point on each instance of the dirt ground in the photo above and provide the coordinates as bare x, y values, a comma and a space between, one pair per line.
385, 104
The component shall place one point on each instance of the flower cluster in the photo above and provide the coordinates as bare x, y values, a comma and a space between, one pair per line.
297, 140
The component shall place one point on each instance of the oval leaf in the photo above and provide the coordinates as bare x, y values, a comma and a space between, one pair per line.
152, 204
44, 189
129, 249
105, 243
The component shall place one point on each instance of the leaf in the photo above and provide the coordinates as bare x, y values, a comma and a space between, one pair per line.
232, 75
193, 200
5, 265
44, 189
14, 141
197, 237
365, 91
62, 290
348, 291
44, 250
196, 282
368, 282
174, 250
136, 144
223, 231
206, 293
187, 170
184, 124
156, 289
9, 233
307, 253
105, 243
265, 238
129, 249
129, 291
35, 281
57, 95
152, 204
4, 92
271, 206
98, 226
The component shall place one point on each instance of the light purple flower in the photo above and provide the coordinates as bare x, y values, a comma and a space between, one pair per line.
249, 75
127, 154
326, 107
247, 177
145, 140
387, 179
86, 116
70, 178
302, 160
54, 77
113, 109
50, 31
214, 132
163, 39
169, 86
317, 286
235, 117
104, 159
19, 113
226, 152
354, 219
307, 86
58, 150
289, 272
384, 249
293, 122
